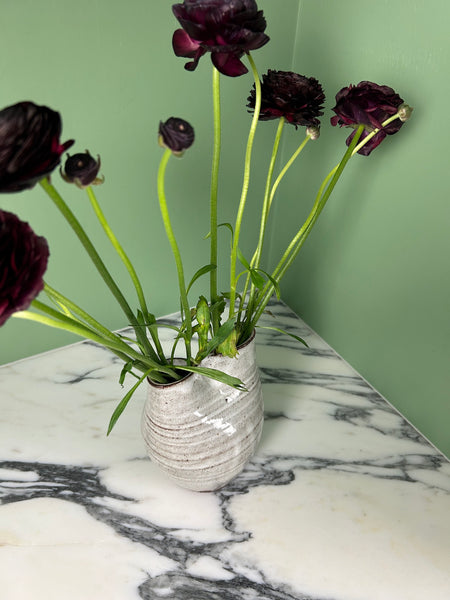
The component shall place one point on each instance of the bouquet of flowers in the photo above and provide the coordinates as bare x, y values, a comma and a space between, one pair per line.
30, 150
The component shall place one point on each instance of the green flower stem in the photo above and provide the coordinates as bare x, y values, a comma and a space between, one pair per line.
71, 309
173, 243
304, 231
269, 204
375, 131
245, 186
214, 191
52, 318
286, 168
264, 215
99, 264
126, 261
356, 148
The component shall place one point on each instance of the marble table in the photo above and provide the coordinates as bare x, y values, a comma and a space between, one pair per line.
344, 500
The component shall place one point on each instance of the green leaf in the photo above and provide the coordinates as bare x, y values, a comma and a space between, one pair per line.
123, 403
199, 273
126, 369
227, 225
166, 325
257, 279
217, 375
222, 334
227, 295
296, 337
243, 260
273, 282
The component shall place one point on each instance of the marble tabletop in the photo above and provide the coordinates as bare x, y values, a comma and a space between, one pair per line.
344, 499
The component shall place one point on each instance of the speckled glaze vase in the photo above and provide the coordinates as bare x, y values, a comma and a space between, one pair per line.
202, 432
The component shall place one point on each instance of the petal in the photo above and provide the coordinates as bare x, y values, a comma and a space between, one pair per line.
228, 64
183, 45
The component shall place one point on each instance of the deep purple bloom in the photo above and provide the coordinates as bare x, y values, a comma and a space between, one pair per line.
29, 145
23, 260
176, 135
82, 170
285, 94
228, 29
370, 105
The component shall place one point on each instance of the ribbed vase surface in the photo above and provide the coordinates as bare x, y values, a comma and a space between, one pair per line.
202, 432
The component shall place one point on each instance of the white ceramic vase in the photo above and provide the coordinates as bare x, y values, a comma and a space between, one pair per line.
202, 432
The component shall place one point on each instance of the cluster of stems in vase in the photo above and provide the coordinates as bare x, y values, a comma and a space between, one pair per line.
247, 303
30, 150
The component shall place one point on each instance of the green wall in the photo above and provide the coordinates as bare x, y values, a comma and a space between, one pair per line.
109, 69
373, 277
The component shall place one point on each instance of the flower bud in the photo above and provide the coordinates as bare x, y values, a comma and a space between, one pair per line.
313, 132
203, 313
404, 112
82, 169
176, 134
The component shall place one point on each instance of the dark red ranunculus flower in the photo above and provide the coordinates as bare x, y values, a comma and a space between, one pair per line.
176, 135
367, 104
23, 260
29, 145
285, 94
82, 170
227, 29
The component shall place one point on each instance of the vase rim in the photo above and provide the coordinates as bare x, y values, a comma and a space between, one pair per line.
181, 361
176, 360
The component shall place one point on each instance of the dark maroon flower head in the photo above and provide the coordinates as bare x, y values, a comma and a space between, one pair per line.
23, 260
82, 170
370, 105
285, 94
226, 28
176, 135
29, 145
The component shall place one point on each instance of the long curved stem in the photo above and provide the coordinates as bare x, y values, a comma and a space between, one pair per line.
129, 266
245, 186
176, 252
268, 202
53, 318
99, 264
213, 203
70, 309
264, 216
299, 239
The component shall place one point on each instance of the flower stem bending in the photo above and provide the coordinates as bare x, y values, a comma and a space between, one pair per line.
256, 258
99, 264
173, 243
214, 191
268, 199
245, 186
53, 318
300, 238
131, 270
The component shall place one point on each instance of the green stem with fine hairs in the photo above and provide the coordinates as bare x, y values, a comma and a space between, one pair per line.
245, 186
176, 252
99, 264
264, 216
299, 239
53, 318
131, 270
213, 203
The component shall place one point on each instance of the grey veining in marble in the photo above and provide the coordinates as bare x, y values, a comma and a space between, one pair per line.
344, 499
